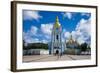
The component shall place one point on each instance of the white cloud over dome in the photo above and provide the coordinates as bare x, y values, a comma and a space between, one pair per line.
82, 32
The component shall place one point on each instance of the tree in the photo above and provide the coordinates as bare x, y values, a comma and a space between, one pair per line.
83, 47
24, 47
35, 46
23, 44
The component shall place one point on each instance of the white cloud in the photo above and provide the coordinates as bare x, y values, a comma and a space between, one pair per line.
29, 39
33, 36
44, 41
29, 34
83, 31
85, 14
67, 34
84, 26
32, 40
46, 28
33, 30
81, 39
68, 15
29, 15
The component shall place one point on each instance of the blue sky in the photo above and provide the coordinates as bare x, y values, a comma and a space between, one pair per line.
37, 25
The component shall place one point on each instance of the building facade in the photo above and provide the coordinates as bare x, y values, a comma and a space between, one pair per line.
56, 39
72, 46
57, 46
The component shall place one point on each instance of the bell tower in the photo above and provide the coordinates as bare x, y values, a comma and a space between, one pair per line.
56, 40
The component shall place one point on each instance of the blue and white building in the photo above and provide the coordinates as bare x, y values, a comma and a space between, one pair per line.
56, 45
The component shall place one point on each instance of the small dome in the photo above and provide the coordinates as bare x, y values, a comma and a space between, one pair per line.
72, 41
57, 24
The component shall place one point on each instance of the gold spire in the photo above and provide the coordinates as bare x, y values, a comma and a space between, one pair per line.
57, 20
57, 24
71, 39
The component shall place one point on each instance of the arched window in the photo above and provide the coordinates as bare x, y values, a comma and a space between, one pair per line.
57, 37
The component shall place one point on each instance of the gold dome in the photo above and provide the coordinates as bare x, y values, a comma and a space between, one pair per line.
71, 40
57, 24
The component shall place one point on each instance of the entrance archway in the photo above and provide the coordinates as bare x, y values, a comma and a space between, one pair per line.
57, 52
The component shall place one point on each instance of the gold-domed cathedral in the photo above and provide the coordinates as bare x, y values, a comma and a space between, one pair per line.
56, 38
72, 43
72, 46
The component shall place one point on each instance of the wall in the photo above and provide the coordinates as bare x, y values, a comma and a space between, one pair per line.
5, 37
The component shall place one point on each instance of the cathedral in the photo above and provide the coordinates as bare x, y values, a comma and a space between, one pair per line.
72, 46
72, 43
57, 46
